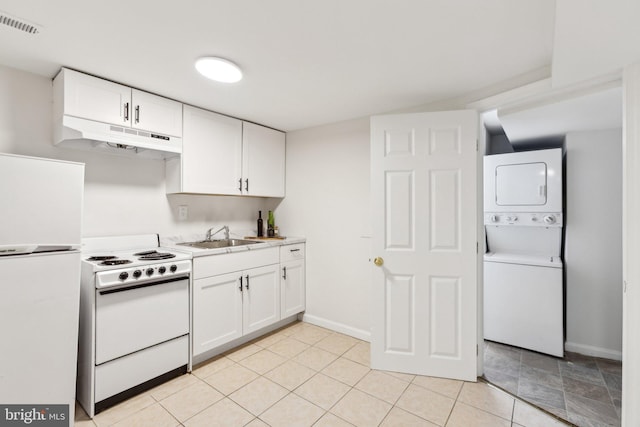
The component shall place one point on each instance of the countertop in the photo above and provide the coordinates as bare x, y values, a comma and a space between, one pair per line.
172, 242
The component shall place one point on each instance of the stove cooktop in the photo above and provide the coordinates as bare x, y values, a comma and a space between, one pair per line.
134, 258
114, 261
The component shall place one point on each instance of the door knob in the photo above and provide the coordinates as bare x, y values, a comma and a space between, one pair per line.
378, 261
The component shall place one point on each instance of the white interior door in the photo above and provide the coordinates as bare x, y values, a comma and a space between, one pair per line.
424, 200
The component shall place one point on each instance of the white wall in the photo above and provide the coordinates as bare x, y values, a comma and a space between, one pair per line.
328, 202
122, 195
575, 41
593, 245
327, 198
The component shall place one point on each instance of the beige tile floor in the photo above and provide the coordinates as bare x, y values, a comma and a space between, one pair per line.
304, 375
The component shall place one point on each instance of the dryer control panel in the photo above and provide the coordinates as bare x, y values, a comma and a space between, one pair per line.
527, 219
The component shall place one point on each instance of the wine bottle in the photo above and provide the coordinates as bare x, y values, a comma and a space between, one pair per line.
260, 226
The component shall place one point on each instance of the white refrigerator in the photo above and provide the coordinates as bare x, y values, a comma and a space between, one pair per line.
40, 230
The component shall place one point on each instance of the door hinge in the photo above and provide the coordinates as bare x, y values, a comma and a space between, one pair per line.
624, 286
476, 145
477, 247
477, 350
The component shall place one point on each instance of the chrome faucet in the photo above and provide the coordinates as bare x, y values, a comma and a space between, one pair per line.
210, 234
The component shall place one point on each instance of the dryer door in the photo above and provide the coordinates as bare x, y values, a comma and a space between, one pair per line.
521, 184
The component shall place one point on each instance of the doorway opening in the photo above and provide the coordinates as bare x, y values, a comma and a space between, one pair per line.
584, 386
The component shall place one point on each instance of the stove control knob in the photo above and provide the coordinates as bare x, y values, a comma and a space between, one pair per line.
137, 273
162, 270
549, 219
173, 268
494, 218
149, 271
123, 276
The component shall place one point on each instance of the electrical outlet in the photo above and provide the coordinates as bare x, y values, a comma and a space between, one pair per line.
183, 212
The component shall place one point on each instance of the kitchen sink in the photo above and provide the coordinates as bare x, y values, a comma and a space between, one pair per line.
215, 244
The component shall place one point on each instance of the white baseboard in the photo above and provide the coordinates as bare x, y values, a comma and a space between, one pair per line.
588, 350
338, 327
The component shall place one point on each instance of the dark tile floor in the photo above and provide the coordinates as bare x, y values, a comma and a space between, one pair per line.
584, 390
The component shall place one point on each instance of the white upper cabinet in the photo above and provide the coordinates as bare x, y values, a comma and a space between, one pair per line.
155, 113
211, 154
91, 98
223, 155
96, 99
263, 161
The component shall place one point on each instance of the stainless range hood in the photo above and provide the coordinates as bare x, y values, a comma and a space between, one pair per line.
86, 134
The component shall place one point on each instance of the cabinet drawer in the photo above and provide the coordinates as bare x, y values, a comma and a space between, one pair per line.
292, 252
213, 265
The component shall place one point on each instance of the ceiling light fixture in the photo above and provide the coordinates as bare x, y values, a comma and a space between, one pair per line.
219, 69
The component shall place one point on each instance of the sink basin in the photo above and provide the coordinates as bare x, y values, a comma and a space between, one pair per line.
215, 244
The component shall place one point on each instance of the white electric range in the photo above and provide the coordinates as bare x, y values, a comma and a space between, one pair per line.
134, 318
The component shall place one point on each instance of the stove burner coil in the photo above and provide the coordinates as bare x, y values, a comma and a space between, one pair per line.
116, 262
101, 258
157, 255
144, 253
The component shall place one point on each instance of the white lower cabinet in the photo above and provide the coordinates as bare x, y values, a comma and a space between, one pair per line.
260, 298
217, 311
240, 293
292, 279
229, 305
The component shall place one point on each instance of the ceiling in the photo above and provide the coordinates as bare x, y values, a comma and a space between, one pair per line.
305, 63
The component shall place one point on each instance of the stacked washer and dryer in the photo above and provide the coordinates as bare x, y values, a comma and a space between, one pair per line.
523, 269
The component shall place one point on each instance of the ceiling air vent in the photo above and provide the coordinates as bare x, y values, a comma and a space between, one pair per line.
19, 24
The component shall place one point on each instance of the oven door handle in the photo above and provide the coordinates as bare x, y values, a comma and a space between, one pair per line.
141, 285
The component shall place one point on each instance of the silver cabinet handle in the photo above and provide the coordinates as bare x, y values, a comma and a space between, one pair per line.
246, 184
126, 111
247, 285
284, 273
137, 114
240, 283
240, 185
294, 250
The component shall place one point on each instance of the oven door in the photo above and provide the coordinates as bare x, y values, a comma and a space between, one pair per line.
133, 318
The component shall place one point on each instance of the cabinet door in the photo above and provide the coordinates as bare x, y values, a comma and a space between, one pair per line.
92, 98
263, 165
261, 297
156, 114
217, 311
292, 288
211, 153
